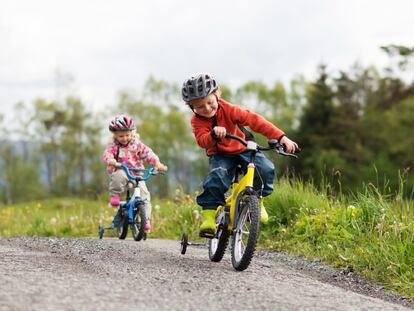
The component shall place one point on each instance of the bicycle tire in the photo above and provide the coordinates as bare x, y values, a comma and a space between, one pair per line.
217, 245
184, 243
122, 228
100, 232
138, 226
242, 251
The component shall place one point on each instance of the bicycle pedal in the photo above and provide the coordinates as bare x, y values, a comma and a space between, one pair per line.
207, 235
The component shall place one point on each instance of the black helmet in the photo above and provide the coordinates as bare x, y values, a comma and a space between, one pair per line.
198, 87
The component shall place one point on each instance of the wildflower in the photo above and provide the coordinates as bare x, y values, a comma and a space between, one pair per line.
157, 207
196, 214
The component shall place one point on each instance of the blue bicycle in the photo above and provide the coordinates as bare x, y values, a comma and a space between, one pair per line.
131, 212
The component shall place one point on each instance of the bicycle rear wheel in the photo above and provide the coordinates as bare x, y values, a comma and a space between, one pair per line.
217, 245
246, 233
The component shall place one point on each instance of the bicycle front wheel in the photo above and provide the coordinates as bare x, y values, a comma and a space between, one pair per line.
246, 233
138, 227
122, 228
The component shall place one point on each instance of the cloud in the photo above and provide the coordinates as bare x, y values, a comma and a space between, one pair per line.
110, 45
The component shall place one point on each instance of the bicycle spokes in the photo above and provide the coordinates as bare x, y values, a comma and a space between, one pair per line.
242, 233
246, 233
218, 244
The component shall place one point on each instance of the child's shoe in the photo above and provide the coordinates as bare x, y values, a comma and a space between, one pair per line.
115, 201
147, 227
209, 223
264, 217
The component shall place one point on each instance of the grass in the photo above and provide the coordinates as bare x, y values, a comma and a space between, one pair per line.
370, 233
73, 217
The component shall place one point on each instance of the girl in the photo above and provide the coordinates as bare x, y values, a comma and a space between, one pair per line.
125, 147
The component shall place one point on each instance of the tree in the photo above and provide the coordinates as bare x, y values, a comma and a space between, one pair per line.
69, 140
315, 127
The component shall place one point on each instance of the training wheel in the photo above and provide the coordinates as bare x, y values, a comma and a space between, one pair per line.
100, 232
184, 243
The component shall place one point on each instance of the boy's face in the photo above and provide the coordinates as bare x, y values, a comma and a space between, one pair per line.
206, 106
123, 137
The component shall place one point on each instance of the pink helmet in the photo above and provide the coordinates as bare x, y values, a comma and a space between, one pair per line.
122, 123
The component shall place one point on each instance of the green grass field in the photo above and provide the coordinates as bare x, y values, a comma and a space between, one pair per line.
73, 217
370, 233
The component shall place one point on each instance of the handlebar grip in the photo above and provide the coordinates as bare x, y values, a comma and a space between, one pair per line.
272, 143
241, 140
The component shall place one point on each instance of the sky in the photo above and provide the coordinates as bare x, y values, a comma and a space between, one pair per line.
97, 48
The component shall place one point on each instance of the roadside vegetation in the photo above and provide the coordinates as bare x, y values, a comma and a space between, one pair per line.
73, 217
370, 232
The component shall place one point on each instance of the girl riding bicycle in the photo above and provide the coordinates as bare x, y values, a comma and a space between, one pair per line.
126, 147
214, 118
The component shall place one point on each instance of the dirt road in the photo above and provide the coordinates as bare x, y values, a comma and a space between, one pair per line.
109, 274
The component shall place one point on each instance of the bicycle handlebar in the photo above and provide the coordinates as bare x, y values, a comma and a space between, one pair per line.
273, 145
147, 172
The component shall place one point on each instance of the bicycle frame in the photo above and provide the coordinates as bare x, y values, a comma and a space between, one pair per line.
238, 188
239, 217
130, 202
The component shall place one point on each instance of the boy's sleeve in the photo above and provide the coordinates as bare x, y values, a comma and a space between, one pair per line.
256, 122
202, 134
146, 154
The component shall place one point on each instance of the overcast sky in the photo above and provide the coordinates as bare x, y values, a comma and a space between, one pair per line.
109, 45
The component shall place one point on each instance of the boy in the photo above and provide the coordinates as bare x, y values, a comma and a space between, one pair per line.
213, 118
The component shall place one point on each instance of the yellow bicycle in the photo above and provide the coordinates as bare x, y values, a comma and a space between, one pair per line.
240, 216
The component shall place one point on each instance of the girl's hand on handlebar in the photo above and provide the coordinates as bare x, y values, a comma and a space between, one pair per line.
112, 162
161, 167
220, 131
290, 145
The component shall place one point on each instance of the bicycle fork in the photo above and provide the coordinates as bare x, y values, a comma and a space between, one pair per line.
245, 186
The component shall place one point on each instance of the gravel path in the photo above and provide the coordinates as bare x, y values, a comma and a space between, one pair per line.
108, 274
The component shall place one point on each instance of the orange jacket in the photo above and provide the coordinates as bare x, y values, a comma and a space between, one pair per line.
230, 116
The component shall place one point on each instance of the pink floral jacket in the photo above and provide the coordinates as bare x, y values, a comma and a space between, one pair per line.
132, 154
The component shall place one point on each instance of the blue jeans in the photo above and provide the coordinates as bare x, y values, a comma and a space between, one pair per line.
222, 170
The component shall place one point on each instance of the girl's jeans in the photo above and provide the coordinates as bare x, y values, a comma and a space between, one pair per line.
222, 170
118, 185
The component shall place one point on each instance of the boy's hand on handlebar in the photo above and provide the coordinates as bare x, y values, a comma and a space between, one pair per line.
220, 131
161, 167
290, 145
